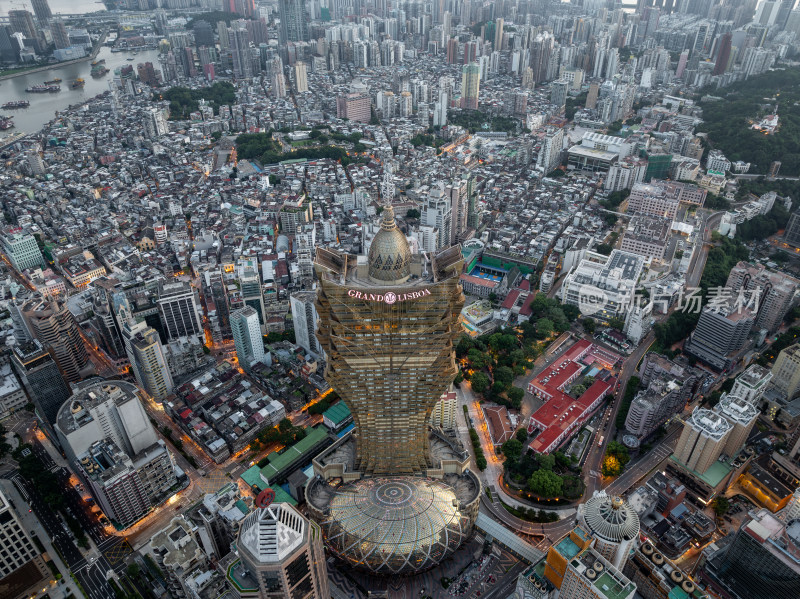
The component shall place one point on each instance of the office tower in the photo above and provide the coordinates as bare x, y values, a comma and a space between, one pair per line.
107, 436
22, 250
549, 155
437, 212
247, 337
178, 309
720, 334
702, 440
294, 21
751, 384
723, 55
250, 289
17, 550
304, 319
773, 292
558, 92
742, 416
786, 371
761, 562
413, 360
41, 377
42, 11
59, 32
354, 107
613, 524
55, 327
280, 554
301, 77
470, 86
147, 359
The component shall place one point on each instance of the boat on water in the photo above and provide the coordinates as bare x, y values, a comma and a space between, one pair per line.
97, 62
52, 81
6, 122
16, 104
129, 58
99, 71
43, 89
78, 83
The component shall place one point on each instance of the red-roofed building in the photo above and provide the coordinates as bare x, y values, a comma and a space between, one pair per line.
562, 414
499, 424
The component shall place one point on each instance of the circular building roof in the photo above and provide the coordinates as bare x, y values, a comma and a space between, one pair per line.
610, 518
389, 256
395, 525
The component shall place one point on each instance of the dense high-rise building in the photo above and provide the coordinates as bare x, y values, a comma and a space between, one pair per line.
22, 21
549, 155
109, 441
178, 308
203, 33
304, 319
240, 49
470, 86
17, 551
786, 371
720, 333
42, 11
663, 398
762, 561
437, 212
247, 337
294, 21
22, 250
280, 554
41, 377
723, 55
558, 92
702, 440
53, 324
773, 293
59, 32
148, 362
301, 77
354, 107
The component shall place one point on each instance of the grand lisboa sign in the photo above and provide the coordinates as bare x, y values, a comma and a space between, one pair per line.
389, 297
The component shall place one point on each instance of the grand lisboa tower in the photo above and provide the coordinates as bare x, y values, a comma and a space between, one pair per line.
393, 496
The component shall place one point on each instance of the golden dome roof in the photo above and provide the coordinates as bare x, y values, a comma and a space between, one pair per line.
389, 256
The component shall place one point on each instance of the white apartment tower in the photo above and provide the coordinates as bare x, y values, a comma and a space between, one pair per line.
304, 318
247, 337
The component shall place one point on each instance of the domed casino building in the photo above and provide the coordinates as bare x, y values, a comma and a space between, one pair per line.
393, 496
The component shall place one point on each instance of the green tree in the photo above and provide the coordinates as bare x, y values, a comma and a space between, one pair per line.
720, 505
521, 435
480, 382
412, 213
546, 461
545, 483
545, 327
478, 359
515, 395
504, 374
604, 248
589, 325
616, 323
512, 449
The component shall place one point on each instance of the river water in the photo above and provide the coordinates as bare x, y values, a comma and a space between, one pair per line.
64, 7
44, 106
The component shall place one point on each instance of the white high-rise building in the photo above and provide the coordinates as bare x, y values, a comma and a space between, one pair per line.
16, 547
247, 338
304, 319
148, 362
550, 151
301, 77
437, 211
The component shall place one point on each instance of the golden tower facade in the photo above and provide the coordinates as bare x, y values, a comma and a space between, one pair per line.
388, 322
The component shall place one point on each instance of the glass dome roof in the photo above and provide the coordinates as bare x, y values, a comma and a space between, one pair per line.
395, 525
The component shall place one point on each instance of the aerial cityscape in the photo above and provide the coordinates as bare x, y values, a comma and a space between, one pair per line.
350, 299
